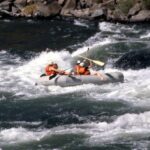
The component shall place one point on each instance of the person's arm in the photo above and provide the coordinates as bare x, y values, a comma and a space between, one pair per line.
62, 72
56, 70
91, 64
102, 77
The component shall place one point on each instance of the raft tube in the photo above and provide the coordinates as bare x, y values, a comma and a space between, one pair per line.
73, 80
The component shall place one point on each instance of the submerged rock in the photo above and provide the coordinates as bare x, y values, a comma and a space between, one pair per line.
134, 60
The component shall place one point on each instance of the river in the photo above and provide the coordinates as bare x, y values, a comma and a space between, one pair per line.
84, 117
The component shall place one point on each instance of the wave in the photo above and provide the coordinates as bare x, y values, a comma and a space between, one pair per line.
19, 135
109, 33
145, 36
128, 127
20, 83
135, 89
18, 76
80, 23
117, 28
93, 45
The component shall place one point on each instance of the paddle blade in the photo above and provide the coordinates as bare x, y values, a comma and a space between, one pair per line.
98, 62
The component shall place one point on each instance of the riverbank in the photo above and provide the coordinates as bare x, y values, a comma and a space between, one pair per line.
106, 10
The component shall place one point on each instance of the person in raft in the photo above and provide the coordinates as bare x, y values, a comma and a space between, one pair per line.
52, 71
83, 68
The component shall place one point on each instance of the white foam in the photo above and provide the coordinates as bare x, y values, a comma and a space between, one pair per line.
24, 74
125, 128
117, 28
21, 122
80, 23
105, 41
134, 90
20, 78
36, 66
3, 98
117, 32
109, 27
145, 36
7, 20
57, 90
31, 21
19, 135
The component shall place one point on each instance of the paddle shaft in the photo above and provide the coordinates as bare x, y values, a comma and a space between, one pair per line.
95, 61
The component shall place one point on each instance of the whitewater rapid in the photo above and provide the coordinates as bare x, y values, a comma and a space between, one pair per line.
18, 78
128, 127
24, 75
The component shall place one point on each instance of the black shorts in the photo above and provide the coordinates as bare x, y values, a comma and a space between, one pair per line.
52, 76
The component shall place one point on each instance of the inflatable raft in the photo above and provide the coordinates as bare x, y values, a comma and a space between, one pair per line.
64, 80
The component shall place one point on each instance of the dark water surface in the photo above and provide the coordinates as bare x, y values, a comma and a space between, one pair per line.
39, 35
85, 117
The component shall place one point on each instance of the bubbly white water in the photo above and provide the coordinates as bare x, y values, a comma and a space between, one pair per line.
18, 78
127, 127
116, 28
91, 46
116, 32
134, 90
18, 135
24, 75
80, 23
145, 36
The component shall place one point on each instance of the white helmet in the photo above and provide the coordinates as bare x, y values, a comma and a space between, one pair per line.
51, 62
82, 64
78, 61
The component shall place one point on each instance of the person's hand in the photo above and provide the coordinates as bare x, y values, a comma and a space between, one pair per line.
62, 72
70, 74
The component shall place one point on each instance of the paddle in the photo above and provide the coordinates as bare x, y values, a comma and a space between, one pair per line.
100, 63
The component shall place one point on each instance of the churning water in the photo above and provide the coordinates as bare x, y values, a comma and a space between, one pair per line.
112, 116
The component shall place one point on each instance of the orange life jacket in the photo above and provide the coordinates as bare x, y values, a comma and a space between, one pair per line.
49, 69
79, 70
87, 72
76, 69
